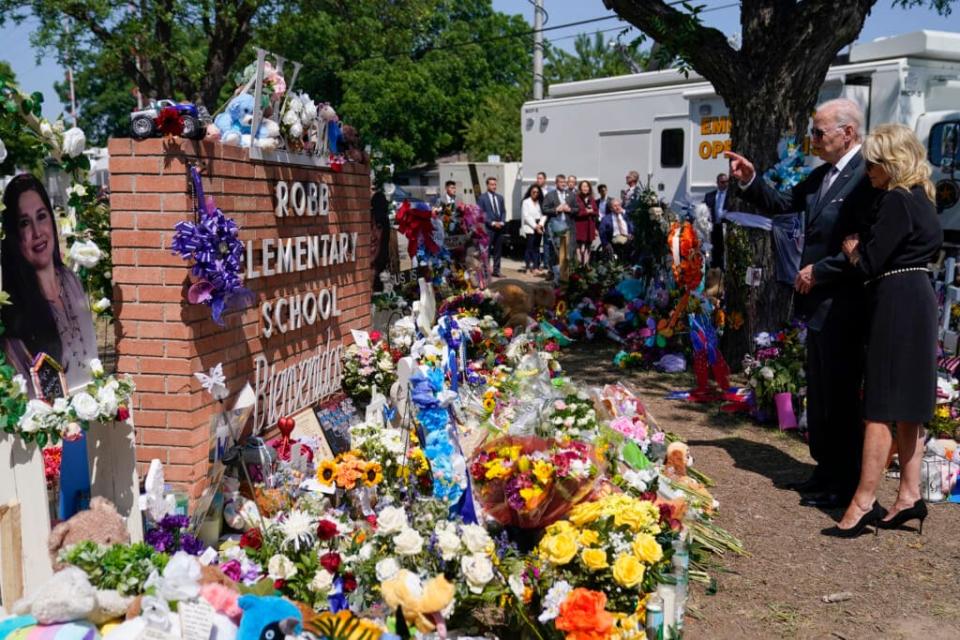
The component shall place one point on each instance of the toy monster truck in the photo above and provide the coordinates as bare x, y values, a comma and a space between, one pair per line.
143, 123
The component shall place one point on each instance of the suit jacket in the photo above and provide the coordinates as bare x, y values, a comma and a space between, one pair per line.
827, 221
552, 200
441, 200
711, 201
489, 213
632, 201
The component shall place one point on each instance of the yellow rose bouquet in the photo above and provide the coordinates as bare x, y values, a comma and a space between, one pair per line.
617, 545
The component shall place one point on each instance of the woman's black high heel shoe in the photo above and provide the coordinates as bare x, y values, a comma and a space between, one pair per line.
871, 517
917, 512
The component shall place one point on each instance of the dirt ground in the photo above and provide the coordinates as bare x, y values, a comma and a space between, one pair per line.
902, 585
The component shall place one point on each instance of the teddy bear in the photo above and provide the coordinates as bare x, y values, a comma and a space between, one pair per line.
234, 125
417, 601
675, 467
520, 300
68, 596
100, 523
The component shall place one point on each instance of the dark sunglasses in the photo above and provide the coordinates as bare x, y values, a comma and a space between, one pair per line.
819, 133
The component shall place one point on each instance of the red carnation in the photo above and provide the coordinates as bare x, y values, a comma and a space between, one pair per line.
372, 519
349, 583
251, 539
123, 413
330, 561
169, 122
326, 529
278, 584
375, 336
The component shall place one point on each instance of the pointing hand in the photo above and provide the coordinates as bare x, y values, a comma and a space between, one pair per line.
740, 168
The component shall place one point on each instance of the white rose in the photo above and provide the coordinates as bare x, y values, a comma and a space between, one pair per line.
767, 373
32, 418
85, 406
74, 142
60, 405
85, 253
391, 520
296, 130
386, 569
281, 568
96, 367
46, 130
515, 581
295, 105
107, 399
21, 383
477, 570
3, 151
408, 542
309, 113
366, 552
449, 543
322, 582
476, 538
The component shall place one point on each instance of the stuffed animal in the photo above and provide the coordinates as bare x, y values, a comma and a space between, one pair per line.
520, 300
419, 602
675, 467
234, 125
353, 146
68, 596
268, 618
100, 523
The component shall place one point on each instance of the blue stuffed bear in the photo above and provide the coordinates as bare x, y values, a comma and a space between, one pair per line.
236, 121
268, 618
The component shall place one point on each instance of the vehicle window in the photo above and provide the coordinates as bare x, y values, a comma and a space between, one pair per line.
671, 148
945, 143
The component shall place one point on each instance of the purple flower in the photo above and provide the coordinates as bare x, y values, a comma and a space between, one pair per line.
191, 545
173, 523
160, 539
232, 570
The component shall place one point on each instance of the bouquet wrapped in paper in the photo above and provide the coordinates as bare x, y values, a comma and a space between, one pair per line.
530, 482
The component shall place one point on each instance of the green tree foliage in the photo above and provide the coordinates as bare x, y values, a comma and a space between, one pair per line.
105, 99
167, 48
593, 58
409, 74
495, 126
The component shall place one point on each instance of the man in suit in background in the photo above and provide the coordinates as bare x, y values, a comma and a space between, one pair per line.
542, 183
556, 207
494, 211
829, 294
717, 201
448, 197
603, 201
630, 197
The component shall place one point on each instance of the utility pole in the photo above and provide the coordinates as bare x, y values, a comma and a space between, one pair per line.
538, 49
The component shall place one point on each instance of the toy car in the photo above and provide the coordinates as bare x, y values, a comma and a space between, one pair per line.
143, 123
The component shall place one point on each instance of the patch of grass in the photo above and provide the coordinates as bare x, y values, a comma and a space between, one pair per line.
785, 616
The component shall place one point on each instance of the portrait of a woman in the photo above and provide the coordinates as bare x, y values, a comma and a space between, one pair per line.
48, 311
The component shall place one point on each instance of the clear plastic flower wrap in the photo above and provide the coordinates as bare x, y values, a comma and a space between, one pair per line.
530, 482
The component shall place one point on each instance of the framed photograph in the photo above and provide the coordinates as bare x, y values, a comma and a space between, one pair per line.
49, 383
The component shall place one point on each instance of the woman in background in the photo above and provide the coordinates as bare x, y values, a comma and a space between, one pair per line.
901, 369
585, 217
48, 311
531, 227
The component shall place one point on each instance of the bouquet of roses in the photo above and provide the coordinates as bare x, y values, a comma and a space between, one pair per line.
529, 481
417, 548
369, 368
618, 546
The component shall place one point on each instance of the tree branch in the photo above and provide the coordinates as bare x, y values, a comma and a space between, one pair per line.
706, 49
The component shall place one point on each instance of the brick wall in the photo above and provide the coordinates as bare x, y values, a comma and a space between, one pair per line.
161, 339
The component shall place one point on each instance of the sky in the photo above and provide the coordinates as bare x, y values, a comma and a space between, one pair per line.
722, 14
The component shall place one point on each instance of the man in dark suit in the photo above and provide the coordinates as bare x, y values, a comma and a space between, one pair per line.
630, 197
494, 211
556, 207
829, 294
717, 201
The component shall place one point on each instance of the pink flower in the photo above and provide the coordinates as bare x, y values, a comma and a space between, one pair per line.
559, 405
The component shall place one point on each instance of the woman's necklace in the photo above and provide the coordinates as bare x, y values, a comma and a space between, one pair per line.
59, 297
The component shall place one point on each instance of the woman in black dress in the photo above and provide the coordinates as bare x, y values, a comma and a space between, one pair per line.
901, 373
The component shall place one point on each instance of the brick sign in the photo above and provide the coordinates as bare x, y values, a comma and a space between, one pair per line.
306, 233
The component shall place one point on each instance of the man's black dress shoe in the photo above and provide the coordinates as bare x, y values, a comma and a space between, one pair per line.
824, 501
